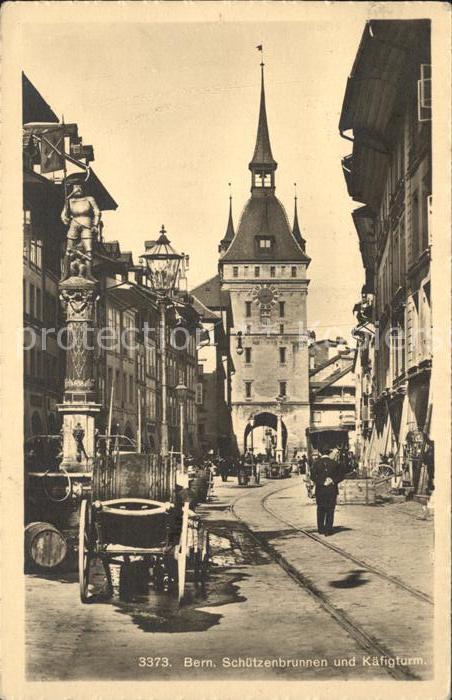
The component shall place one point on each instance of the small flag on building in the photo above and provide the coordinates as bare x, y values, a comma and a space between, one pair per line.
52, 150
260, 47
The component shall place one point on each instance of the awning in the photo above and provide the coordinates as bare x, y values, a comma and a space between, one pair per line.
364, 224
375, 92
128, 295
207, 315
94, 187
378, 73
329, 429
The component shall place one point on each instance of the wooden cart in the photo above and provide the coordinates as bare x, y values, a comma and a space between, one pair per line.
121, 525
248, 474
278, 470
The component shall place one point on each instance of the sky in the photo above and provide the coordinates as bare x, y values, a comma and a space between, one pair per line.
171, 110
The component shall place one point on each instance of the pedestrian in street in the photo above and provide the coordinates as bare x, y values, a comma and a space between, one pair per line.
326, 474
302, 464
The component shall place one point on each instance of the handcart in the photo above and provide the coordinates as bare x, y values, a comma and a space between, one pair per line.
248, 474
278, 470
120, 525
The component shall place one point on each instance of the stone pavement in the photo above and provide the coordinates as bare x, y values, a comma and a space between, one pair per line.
392, 536
399, 621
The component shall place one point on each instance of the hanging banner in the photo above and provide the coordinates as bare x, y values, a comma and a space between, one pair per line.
52, 150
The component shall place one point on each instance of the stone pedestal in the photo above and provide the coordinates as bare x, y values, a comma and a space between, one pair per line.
78, 296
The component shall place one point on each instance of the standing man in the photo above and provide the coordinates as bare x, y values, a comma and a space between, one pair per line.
302, 464
326, 474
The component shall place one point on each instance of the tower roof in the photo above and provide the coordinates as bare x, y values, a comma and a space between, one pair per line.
263, 152
264, 216
296, 228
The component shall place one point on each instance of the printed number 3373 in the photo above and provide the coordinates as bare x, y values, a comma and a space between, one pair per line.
153, 661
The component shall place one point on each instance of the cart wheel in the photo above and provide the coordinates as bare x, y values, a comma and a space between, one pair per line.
84, 549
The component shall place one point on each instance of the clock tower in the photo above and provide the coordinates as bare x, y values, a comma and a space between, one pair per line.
263, 268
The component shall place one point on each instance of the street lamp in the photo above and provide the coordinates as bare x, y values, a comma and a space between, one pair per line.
181, 393
279, 437
239, 349
251, 423
162, 267
162, 263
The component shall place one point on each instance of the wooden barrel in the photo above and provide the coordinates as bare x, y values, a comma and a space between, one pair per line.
45, 546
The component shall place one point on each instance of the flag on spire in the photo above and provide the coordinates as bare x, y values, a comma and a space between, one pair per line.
260, 47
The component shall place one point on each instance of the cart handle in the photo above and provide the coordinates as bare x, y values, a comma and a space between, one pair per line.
109, 506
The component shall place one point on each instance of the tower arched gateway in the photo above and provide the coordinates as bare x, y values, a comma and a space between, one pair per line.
263, 432
263, 268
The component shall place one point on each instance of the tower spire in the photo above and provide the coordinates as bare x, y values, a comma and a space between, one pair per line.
230, 233
262, 163
296, 227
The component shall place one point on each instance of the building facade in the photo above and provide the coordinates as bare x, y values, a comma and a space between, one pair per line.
215, 369
44, 241
387, 109
128, 351
332, 394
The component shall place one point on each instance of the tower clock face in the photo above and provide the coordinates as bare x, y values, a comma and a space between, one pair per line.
265, 296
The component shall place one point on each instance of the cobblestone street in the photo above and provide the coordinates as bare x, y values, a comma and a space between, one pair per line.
322, 609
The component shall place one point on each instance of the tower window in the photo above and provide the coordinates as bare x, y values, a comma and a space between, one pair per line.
257, 271
282, 356
264, 245
248, 309
281, 329
282, 309
248, 356
272, 271
283, 388
245, 271
235, 271
262, 179
248, 390
294, 271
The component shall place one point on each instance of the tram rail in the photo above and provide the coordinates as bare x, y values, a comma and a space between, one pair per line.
371, 568
370, 645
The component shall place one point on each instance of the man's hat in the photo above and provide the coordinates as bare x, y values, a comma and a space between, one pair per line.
75, 179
